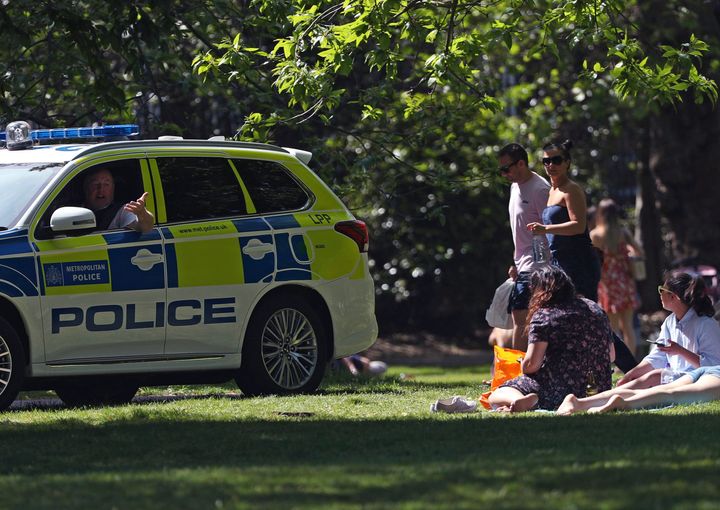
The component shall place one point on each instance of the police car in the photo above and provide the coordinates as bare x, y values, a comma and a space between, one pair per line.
253, 269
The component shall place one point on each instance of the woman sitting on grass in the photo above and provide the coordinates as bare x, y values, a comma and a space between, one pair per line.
700, 385
692, 340
570, 343
692, 336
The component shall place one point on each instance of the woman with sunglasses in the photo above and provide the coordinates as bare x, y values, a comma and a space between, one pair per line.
690, 335
565, 222
565, 225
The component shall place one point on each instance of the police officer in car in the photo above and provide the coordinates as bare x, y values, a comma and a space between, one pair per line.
99, 190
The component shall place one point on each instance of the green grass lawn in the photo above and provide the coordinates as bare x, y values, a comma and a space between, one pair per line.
356, 444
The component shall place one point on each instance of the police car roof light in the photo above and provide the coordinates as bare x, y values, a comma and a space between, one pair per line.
17, 135
116, 130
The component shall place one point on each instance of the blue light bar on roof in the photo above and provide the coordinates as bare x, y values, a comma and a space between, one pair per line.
83, 132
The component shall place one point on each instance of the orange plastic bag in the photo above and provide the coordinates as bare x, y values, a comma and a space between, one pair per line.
507, 366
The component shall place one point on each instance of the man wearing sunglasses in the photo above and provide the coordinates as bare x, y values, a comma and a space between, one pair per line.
528, 198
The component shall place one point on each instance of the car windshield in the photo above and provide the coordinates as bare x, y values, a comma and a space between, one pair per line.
20, 183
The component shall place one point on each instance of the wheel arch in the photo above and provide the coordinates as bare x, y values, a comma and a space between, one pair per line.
10, 313
312, 296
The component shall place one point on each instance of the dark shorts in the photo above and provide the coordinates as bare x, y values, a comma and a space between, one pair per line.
520, 295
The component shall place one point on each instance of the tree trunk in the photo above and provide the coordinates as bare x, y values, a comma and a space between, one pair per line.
684, 158
648, 227
679, 178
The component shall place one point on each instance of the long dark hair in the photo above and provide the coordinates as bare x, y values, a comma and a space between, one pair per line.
564, 148
690, 289
550, 286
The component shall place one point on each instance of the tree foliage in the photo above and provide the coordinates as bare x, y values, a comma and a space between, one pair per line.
403, 103
413, 98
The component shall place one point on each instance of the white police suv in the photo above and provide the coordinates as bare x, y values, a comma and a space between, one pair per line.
253, 269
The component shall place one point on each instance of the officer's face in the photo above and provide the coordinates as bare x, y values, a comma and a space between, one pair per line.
99, 190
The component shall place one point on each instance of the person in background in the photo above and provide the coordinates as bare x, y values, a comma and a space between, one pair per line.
692, 340
528, 196
591, 217
362, 365
617, 294
570, 347
565, 224
500, 337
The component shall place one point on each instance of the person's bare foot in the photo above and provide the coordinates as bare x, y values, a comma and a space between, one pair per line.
615, 403
570, 405
525, 403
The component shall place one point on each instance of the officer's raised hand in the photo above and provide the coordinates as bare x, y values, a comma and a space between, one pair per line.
145, 219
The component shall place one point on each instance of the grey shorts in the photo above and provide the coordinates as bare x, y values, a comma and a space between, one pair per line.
699, 372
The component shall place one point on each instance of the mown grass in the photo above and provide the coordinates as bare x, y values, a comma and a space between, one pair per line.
356, 444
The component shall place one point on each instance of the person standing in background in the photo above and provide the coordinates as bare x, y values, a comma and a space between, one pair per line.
617, 294
528, 196
564, 221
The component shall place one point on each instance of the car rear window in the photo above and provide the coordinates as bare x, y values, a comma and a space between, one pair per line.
271, 186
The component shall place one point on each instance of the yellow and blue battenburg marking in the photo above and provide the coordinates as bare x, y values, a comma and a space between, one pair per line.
18, 273
99, 263
281, 248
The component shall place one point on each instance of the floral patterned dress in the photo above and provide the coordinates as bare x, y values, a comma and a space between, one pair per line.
578, 337
616, 290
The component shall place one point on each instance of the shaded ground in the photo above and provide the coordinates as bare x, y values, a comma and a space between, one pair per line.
428, 349
424, 348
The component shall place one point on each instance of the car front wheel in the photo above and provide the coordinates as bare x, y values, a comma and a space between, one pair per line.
284, 348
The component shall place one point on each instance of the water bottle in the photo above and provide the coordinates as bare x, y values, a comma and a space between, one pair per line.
540, 248
667, 375
591, 387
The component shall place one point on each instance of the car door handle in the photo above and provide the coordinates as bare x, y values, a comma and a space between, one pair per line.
256, 249
145, 259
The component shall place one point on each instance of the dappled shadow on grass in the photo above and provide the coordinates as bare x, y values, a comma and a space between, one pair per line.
401, 387
49, 403
536, 461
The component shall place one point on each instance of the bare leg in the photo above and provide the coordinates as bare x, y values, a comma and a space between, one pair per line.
680, 391
510, 400
519, 339
628, 331
571, 404
615, 322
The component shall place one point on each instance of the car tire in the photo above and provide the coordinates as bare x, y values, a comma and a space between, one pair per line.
12, 364
96, 393
284, 350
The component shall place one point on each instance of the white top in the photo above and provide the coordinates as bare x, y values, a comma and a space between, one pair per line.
122, 219
527, 201
700, 335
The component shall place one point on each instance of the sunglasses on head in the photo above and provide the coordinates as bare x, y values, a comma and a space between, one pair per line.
662, 289
555, 160
505, 168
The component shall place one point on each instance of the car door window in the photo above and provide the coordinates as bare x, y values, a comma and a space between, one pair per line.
127, 185
200, 188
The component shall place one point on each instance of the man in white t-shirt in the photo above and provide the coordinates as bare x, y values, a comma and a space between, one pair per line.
99, 190
528, 198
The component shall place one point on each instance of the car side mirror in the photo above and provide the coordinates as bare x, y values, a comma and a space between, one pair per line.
67, 219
